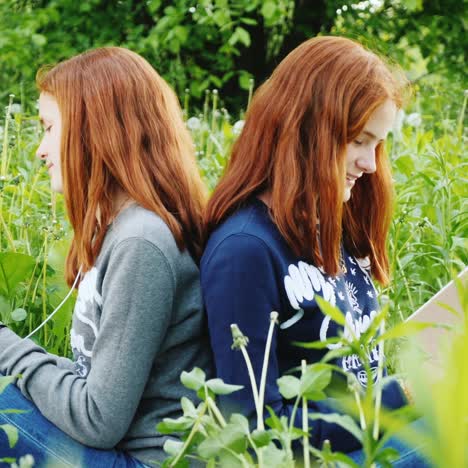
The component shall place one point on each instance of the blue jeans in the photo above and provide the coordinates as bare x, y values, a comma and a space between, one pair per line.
48, 444
410, 457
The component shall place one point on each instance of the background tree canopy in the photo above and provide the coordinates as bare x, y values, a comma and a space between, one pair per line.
222, 44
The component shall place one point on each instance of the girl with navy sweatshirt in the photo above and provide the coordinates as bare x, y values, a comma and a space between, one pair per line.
304, 210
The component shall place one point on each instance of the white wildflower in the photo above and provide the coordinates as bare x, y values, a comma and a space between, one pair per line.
16, 108
237, 127
398, 123
193, 123
414, 119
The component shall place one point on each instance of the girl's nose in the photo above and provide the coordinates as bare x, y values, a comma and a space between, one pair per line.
366, 162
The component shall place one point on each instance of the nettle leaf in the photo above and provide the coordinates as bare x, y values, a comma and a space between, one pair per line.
11, 433
289, 386
345, 421
274, 457
261, 438
240, 421
19, 314
316, 378
173, 447
218, 387
333, 312
188, 407
169, 426
195, 379
230, 437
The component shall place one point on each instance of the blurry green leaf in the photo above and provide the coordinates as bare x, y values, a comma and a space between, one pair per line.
316, 378
220, 388
173, 447
240, 421
18, 315
169, 426
11, 433
5, 381
195, 379
14, 269
39, 40
268, 9
289, 386
345, 421
188, 407
261, 438
333, 312
405, 329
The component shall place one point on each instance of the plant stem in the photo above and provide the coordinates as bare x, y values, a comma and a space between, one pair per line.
378, 397
305, 422
253, 384
212, 406
191, 435
266, 357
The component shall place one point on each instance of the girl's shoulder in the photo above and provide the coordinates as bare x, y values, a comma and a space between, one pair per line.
136, 225
245, 232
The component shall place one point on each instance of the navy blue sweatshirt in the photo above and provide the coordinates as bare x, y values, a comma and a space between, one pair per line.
247, 271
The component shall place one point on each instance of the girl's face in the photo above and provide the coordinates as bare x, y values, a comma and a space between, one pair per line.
360, 153
49, 148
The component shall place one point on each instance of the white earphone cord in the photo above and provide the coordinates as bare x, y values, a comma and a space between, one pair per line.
58, 307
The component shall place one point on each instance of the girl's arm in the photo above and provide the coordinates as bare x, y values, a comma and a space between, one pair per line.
137, 294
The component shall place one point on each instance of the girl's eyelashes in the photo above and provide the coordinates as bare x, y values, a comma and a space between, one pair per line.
358, 142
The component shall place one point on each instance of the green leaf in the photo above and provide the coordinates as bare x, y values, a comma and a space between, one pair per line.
268, 9
11, 433
240, 421
220, 388
188, 407
173, 447
405, 329
289, 386
209, 448
244, 80
316, 378
195, 379
5, 381
19, 314
169, 426
14, 269
333, 312
261, 438
345, 421
39, 40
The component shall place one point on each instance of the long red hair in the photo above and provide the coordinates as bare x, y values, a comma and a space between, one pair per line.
122, 129
317, 100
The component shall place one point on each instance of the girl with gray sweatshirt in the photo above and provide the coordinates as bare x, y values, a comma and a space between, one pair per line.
117, 148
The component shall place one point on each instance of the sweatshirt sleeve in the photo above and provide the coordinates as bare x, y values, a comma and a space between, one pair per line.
137, 292
240, 285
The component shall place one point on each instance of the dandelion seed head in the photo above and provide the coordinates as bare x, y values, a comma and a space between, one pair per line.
194, 123
237, 127
414, 119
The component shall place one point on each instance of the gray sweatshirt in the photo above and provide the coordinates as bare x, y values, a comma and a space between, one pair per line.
137, 324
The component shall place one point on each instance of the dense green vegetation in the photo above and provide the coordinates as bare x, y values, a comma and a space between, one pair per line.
213, 52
